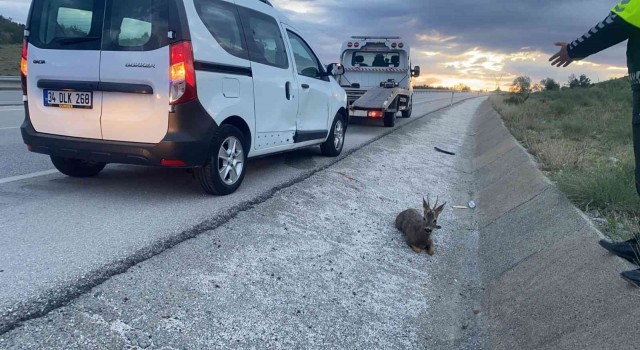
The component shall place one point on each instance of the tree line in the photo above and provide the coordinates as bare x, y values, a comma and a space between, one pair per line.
523, 84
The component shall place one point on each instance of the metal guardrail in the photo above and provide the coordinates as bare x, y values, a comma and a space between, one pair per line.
10, 78
452, 92
10, 83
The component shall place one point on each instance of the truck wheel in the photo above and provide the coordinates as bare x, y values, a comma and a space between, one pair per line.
224, 172
77, 167
334, 144
390, 119
407, 113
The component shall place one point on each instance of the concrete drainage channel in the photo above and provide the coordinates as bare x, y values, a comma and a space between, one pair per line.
548, 283
56, 298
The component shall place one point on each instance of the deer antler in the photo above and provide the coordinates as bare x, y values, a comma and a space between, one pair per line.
426, 201
437, 199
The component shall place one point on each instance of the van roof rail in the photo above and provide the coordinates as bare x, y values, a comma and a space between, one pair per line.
376, 37
266, 2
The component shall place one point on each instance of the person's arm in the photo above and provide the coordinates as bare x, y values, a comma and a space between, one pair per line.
613, 30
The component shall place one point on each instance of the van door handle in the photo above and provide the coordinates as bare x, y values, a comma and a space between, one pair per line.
305, 86
287, 88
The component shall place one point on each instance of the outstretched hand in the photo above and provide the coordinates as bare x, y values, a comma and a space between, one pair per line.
561, 59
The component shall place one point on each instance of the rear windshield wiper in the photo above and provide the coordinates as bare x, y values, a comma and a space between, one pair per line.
66, 41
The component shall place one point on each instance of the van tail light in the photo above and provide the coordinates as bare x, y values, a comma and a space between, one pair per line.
23, 67
182, 74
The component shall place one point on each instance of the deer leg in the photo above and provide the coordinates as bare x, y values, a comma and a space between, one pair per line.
416, 249
430, 248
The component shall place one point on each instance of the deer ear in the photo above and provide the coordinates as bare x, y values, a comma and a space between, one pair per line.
440, 209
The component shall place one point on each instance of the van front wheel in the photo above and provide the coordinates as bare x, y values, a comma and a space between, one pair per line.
77, 167
224, 172
334, 144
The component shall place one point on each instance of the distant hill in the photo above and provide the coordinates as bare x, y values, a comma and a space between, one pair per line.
10, 32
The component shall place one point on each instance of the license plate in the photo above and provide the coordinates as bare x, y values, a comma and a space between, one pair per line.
68, 99
359, 113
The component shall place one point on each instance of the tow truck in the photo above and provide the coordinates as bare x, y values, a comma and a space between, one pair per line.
378, 77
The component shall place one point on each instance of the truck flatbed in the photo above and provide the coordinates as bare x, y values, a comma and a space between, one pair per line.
378, 98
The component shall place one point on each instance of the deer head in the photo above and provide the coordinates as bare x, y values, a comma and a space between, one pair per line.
431, 215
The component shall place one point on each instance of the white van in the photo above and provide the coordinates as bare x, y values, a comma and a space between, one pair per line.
201, 84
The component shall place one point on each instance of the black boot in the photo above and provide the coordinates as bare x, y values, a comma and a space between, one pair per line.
632, 277
628, 250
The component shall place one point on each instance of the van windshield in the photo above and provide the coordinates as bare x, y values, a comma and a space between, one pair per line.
112, 25
376, 59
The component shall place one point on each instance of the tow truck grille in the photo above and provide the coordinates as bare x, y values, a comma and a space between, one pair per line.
353, 95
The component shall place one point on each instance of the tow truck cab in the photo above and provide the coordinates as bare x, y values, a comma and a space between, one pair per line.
370, 61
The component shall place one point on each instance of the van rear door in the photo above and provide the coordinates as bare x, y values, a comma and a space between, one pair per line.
64, 67
134, 70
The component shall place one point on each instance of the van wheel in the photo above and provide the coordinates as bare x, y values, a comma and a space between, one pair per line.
77, 167
224, 172
390, 119
334, 144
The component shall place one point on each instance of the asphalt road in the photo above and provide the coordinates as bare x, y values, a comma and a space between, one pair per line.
10, 98
318, 264
62, 236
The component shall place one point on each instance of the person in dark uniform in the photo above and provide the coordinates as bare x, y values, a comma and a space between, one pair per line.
623, 23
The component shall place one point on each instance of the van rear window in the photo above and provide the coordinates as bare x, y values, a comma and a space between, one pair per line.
139, 25
112, 25
67, 24
223, 22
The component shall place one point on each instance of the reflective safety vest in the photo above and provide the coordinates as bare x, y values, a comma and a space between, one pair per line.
629, 10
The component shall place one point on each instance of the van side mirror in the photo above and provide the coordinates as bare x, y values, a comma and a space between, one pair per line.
415, 72
335, 69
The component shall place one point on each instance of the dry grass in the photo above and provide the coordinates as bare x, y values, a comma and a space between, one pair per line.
582, 139
557, 154
10, 59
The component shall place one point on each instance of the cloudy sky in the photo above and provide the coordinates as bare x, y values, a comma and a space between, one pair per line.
465, 41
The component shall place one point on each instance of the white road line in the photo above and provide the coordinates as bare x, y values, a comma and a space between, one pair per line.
9, 110
27, 176
11, 127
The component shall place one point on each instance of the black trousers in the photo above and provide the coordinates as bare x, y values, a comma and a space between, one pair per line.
636, 134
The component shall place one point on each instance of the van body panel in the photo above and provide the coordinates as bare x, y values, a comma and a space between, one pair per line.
224, 81
61, 66
275, 97
64, 46
314, 93
131, 116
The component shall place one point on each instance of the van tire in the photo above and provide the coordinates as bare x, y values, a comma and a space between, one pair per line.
209, 175
390, 119
77, 167
335, 143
